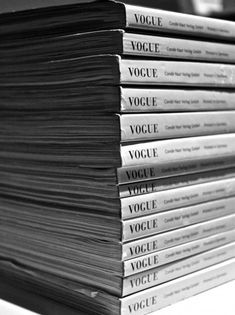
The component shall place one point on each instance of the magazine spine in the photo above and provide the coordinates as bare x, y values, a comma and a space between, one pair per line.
173, 150
142, 205
155, 298
172, 22
153, 186
156, 276
144, 127
139, 173
169, 220
166, 256
165, 47
174, 100
154, 72
176, 237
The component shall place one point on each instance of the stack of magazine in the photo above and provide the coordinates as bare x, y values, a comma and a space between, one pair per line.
117, 157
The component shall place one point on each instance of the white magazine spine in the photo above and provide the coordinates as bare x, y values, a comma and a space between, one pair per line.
139, 173
156, 46
172, 100
166, 21
144, 127
153, 186
168, 255
153, 299
142, 205
154, 72
176, 237
156, 276
168, 220
173, 150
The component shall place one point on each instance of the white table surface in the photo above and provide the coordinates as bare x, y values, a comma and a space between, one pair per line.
218, 301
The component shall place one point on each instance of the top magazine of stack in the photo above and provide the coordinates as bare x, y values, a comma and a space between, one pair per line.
97, 15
